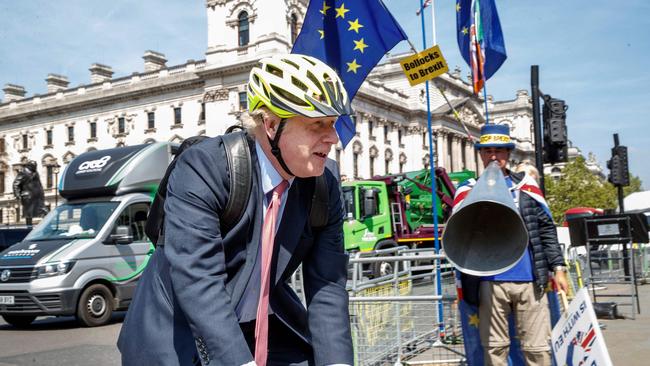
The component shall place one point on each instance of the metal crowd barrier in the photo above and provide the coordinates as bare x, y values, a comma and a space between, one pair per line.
394, 318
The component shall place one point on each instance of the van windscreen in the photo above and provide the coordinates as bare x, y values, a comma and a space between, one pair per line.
73, 221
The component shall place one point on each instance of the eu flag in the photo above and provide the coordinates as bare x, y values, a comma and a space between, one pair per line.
351, 37
480, 38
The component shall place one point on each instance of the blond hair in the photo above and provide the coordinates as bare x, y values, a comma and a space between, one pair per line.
529, 169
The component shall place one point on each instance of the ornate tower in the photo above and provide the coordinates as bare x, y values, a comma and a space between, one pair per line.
241, 30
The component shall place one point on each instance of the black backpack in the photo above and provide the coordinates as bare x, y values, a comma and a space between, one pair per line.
241, 175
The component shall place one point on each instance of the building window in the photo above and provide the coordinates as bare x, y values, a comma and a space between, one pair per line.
370, 126
354, 122
70, 133
372, 166
202, 115
121, 127
93, 130
294, 27
388, 157
151, 120
2, 145
355, 165
243, 101
424, 139
48, 137
399, 136
243, 29
25, 142
2, 182
177, 115
401, 167
50, 176
385, 133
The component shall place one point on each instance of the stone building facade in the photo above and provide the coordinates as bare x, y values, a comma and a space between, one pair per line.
204, 97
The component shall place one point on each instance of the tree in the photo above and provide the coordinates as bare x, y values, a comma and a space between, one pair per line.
578, 187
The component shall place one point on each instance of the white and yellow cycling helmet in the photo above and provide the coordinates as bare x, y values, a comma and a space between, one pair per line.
293, 84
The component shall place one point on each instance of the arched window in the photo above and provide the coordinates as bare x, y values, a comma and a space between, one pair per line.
402, 162
49, 162
357, 148
388, 157
373, 156
294, 27
243, 28
67, 157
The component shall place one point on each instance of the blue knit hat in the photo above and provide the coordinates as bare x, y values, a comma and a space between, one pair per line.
495, 136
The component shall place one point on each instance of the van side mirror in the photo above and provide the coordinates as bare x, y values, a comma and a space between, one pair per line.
122, 235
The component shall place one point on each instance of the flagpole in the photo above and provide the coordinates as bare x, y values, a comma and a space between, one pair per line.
433, 21
434, 198
485, 100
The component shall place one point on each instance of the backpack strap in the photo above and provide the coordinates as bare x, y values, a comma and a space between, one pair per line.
319, 203
241, 175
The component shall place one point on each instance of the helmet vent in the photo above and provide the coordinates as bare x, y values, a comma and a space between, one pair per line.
274, 70
299, 83
313, 79
308, 60
291, 63
288, 96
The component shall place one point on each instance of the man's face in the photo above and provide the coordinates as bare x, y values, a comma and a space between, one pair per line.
305, 143
499, 154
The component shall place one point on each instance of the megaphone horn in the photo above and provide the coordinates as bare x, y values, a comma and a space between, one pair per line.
486, 235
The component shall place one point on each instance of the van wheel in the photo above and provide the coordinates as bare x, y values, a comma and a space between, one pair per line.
19, 321
383, 268
95, 306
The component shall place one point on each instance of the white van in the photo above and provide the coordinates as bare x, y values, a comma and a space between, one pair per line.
87, 254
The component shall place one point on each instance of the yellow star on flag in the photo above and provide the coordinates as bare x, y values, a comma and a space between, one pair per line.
325, 8
353, 66
465, 30
354, 26
322, 33
457, 7
473, 320
340, 11
359, 45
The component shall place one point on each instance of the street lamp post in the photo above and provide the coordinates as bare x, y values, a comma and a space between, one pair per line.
55, 170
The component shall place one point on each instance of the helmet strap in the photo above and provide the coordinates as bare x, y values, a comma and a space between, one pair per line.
275, 146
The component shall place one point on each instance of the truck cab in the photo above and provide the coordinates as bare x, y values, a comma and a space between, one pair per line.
395, 210
85, 257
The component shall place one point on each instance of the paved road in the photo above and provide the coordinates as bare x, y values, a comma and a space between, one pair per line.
60, 341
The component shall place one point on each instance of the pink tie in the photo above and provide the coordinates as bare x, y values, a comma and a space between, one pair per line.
268, 237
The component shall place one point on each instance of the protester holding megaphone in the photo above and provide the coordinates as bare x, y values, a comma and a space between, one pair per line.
515, 281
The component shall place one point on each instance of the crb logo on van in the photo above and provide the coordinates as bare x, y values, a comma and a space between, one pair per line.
93, 166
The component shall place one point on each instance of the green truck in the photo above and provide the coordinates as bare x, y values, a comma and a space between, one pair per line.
396, 210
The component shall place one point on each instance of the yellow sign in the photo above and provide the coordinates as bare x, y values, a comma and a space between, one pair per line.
424, 66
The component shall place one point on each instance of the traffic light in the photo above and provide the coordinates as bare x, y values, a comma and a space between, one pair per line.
554, 115
619, 174
555, 130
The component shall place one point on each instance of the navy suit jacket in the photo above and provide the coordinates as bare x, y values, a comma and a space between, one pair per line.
184, 306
